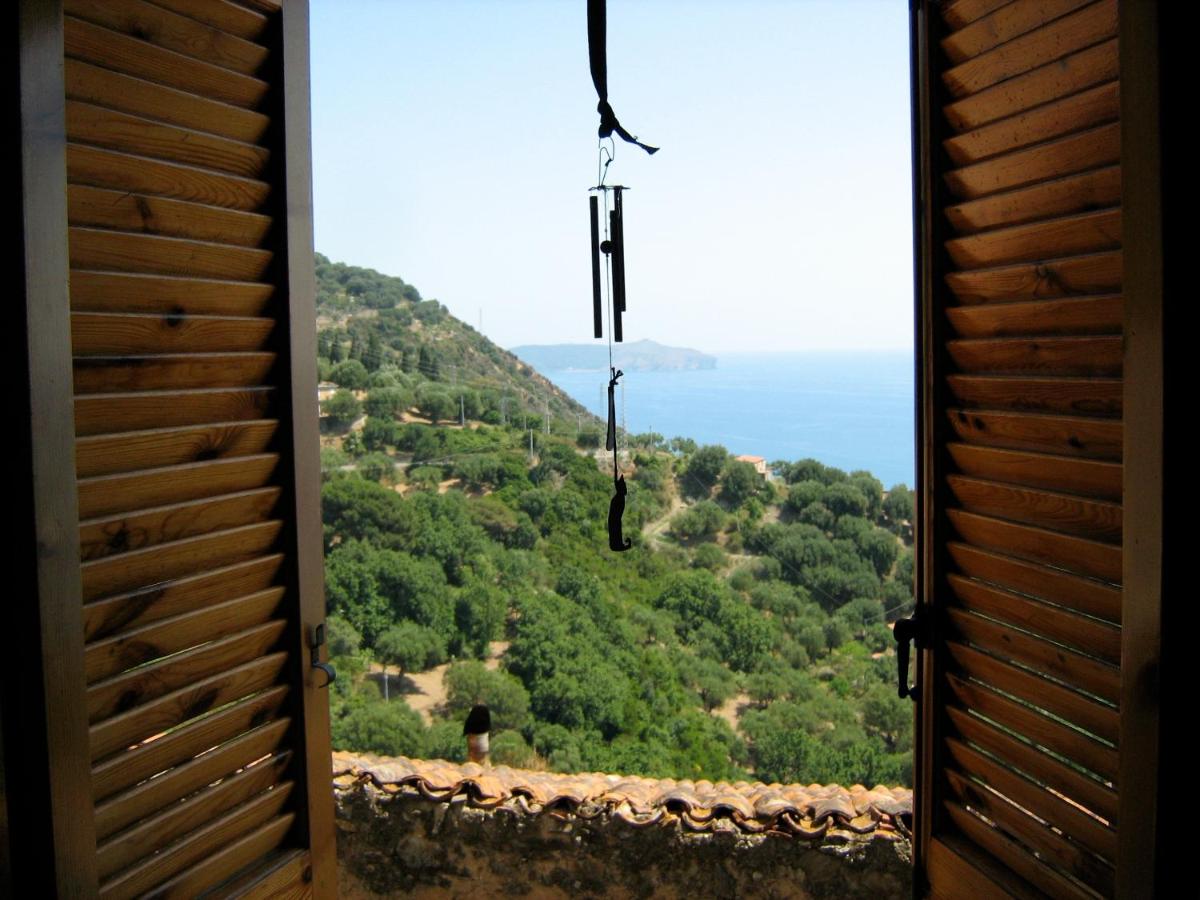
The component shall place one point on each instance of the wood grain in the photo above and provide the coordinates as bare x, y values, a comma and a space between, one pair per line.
93, 291
112, 655
1041, 693
1039, 470
1081, 672
1067, 513
100, 126
1009, 21
1052, 396
1095, 189
1000, 847
1092, 598
231, 17
1095, 796
100, 167
171, 371
156, 831
1087, 355
108, 334
167, 712
1061, 435
1090, 232
152, 565
130, 56
140, 97
1071, 316
1040, 46
1069, 743
1088, 830
231, 859
112, 454
146, 798
144, 528
152, 254
1093, 559
1095, 638
183, 743
181, 33
1076, 112
1047, 83
121, 612
1079, 152
1048, 843
204, 843
126, 211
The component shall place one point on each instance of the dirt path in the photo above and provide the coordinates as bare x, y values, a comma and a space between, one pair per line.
426, 691
731, 710
656, 528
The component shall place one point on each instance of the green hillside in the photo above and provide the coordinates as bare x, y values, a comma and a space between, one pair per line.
745, 634
384, 323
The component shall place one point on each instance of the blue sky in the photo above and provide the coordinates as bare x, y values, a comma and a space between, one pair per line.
454, 142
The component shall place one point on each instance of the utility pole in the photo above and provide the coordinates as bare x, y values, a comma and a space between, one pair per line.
531, 445
462, 415
546, 406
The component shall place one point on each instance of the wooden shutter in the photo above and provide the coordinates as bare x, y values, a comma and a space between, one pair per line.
1025, 550
191, 333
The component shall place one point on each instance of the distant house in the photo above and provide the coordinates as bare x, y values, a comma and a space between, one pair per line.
759, 463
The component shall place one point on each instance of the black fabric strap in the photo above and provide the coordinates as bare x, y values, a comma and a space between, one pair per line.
598, 57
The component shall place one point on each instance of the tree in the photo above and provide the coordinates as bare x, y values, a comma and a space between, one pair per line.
898, 507
343, 407
844, 499
739, 482
350, 374
802, 494
703, 469
479, 617
468, 683
378, 433
703, 520
372, 357
387, 402
376, 466
410, 647
390, 729
343, 638
437, 405
709, 556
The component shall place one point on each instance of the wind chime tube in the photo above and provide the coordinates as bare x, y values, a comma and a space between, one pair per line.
618, 284
619, 243
597, 304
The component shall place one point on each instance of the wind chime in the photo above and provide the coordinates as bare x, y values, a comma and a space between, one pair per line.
608, 254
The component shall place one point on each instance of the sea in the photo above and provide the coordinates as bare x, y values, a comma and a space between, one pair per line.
852, 410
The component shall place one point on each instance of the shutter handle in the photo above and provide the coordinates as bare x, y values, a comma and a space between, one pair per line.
907, 632
318, 639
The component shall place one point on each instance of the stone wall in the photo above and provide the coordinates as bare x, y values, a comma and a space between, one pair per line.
407, 840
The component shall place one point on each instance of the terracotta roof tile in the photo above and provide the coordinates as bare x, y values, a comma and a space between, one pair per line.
809, 812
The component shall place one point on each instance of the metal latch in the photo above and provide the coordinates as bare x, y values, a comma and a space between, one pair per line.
318, 638
911, 631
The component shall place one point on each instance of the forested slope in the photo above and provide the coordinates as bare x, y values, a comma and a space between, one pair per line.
749, 635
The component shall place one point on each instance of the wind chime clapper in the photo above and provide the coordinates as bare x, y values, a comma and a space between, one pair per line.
613, 250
